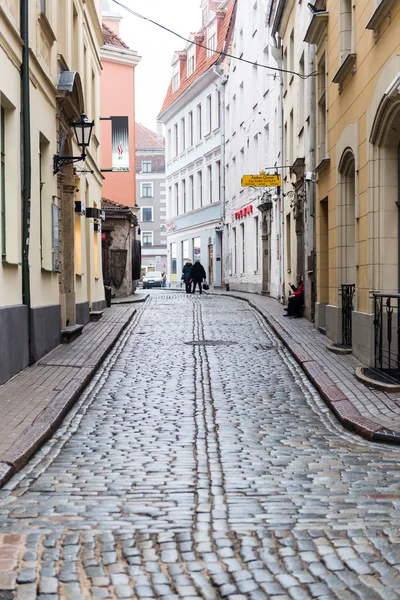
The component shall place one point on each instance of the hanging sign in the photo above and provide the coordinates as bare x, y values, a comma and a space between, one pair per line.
261, 180
120, 144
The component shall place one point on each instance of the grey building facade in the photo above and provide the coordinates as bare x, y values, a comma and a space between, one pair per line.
151, 198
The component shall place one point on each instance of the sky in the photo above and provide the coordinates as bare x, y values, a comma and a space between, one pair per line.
156, 47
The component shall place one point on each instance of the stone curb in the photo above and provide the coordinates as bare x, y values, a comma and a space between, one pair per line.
345, 411
51, 418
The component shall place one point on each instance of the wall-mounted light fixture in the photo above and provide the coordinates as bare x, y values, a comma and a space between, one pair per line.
83, 132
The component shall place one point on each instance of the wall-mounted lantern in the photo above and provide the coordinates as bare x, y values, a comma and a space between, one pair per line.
83, 132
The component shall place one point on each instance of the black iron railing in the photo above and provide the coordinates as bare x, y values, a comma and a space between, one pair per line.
348, 291
387, 334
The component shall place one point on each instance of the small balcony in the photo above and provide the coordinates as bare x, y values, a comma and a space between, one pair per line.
380, 12
317, 26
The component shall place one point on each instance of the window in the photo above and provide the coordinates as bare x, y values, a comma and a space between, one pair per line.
3, 182
218, 190
146, 166
183, 133
191, 193
218, 109
211, 39
147, 238
191, 60
184, 194
185, 250
291, 55
243, 248
176, 141
234, 251
288, 234
43, 6
285, 74
176, 198
175, 77
199, 123
55, 237
173, 261
210, 184
169, 144
209, 114
147, 213
346, 28
146, 190
200, 187
196, 248
257, 233
301, 116
321, 116
191, 128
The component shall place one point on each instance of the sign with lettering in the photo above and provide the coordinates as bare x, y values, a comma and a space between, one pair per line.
261, 180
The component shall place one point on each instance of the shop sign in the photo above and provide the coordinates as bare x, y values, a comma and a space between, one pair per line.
244, 212
171, 226
261, 180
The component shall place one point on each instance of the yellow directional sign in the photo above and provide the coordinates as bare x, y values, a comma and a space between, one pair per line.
261, 180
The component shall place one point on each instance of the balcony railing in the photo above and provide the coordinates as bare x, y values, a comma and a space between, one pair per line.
387, 335
348, 291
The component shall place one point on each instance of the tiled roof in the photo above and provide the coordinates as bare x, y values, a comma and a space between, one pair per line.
203, 63
107, 204
111, 38
157, 162
147, 139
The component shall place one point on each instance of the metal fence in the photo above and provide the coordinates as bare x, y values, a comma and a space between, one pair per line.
387, 335
348, 291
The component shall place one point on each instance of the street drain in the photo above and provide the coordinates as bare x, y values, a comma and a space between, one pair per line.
210, 343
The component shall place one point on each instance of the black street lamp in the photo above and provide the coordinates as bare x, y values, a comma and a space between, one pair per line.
83, 132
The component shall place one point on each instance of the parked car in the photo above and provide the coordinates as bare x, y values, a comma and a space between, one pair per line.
152, 279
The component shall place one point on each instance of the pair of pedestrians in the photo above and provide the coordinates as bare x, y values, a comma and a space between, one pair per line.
193, 273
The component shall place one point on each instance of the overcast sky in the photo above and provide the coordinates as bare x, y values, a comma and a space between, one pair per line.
156, 47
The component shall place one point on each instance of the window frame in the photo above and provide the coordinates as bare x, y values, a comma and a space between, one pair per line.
151, 208
146, 162
146, 183
146, 245
211, 39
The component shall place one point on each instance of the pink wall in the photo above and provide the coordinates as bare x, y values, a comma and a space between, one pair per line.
118, 99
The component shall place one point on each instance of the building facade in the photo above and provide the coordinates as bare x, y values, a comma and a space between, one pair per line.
288, 21
50, 273
252, 138
151, 198
192, 115
118, 63
358, 139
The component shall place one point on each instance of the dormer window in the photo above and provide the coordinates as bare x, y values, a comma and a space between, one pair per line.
175, 77
191, 61
211, 40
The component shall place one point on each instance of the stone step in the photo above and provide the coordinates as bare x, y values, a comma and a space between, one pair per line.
95, 315
70, 333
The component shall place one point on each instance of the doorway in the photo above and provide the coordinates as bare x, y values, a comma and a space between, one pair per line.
210, 264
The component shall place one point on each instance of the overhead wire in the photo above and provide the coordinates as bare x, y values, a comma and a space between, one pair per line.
221, 53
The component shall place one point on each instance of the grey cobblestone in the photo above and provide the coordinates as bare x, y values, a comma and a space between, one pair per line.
215, 472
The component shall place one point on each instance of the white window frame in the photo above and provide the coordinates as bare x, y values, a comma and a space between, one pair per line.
146, 162
212, 39
151, 233
175, 77
191, 61
152, 214
150, 183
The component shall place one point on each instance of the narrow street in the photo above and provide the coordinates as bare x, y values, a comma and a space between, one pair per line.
200, 463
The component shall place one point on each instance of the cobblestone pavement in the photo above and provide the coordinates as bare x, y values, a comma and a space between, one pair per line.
200, 463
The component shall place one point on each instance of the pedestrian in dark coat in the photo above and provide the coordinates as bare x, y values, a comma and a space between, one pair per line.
296, 299
187, 275
198, 275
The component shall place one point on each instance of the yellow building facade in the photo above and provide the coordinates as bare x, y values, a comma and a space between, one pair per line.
357, 46
50, 273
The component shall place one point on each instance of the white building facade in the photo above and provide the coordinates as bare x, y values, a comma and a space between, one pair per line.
192, 116
253, 144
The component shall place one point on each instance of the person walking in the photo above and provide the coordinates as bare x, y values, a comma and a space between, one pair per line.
164, 279
187, 275
198, 275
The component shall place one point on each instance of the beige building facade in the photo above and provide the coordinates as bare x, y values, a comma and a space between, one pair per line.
358, 139
50, 273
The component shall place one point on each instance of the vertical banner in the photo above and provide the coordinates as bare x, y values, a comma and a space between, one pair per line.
120, 144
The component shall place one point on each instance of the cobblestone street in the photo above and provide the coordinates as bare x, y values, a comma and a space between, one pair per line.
201, 463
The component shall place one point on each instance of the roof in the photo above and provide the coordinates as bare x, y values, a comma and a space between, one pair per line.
203, 63
147, 139
107, 204
111, 38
